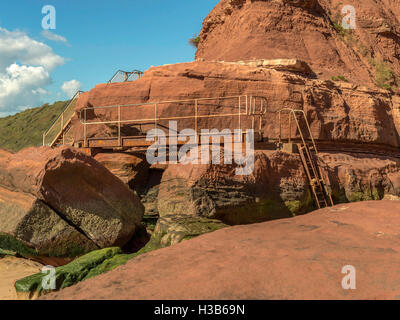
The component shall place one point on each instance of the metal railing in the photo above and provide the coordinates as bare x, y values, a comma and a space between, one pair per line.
243, 106
293, 112
125, 76
57, 129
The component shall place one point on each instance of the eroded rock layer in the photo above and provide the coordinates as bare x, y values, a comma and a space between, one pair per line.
277, 188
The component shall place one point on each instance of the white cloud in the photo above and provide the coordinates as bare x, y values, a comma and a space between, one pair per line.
21, 87
17, 46
53, 37
71, 87
25, 67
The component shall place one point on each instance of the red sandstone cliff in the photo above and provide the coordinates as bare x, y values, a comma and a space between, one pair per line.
308, 30
337, 111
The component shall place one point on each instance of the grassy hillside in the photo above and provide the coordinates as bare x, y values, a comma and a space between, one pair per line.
26, 128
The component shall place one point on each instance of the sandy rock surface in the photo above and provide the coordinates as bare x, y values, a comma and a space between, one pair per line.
299, 258
12, 269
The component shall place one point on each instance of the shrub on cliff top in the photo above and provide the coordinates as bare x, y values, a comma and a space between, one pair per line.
194, 41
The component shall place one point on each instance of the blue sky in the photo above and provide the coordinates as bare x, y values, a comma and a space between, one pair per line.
102, 36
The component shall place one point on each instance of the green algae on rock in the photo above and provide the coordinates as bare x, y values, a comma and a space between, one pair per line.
170, 230
76, 271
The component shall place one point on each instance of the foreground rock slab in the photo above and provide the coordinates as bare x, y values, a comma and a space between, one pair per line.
299, 258
11, 269
169, 231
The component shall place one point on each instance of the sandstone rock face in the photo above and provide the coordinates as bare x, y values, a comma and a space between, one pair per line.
61, 202
337, 111
306, 30
293, 65
81, 269
359, 178
132, 170
12, 269
38, 230
278, 187
300, 258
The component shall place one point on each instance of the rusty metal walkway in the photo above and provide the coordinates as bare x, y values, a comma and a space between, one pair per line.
240, 109
240, 113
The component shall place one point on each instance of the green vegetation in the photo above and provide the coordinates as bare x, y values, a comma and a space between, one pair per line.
26, 128
342, 196
10, 244
339, 78
194, 41
4, 253
346, 34
170, 230
338, 27
384, 76
69, 274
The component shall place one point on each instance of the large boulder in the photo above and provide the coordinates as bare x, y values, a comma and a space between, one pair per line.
61, 196
32, 229
277, 188
131, 169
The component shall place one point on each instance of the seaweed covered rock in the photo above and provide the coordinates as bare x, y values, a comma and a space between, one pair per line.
170, 230
62, 203
79, 270
14, 268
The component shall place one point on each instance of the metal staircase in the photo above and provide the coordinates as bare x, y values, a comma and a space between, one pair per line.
319, 182
59, 132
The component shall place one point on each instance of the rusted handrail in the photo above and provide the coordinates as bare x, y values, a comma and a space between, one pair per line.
247, 106
127, 75
57, 127
293, 112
